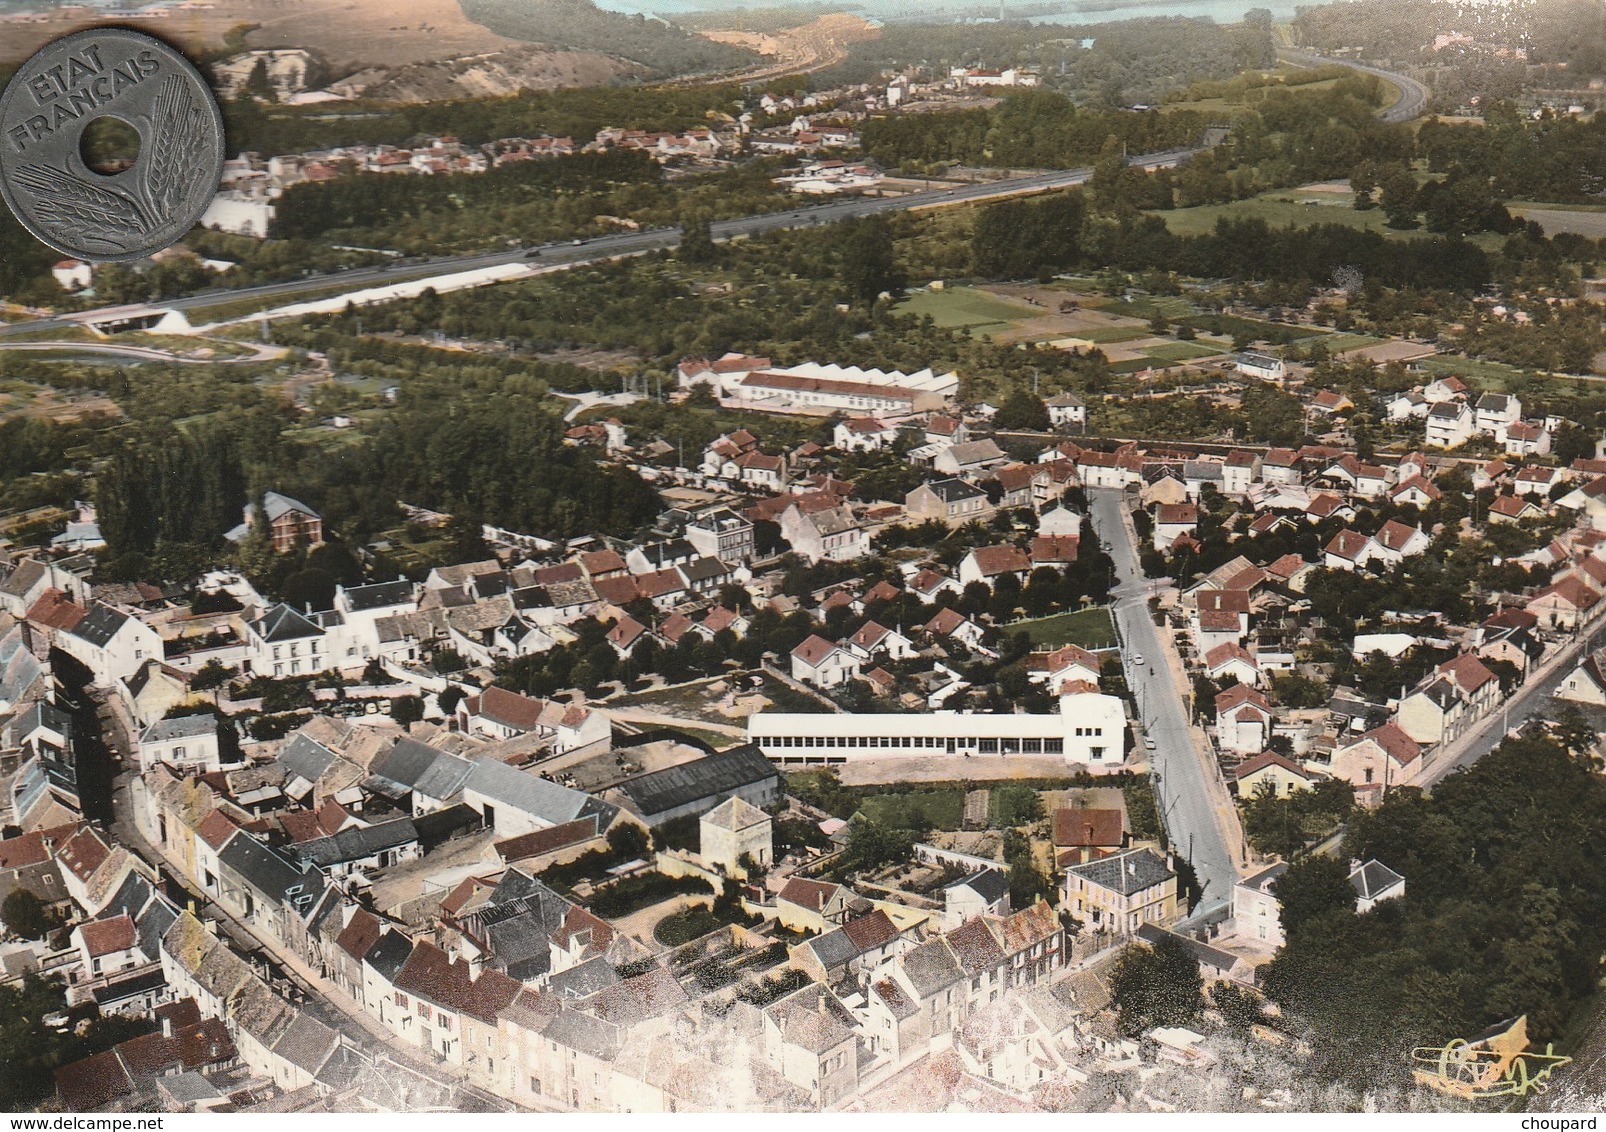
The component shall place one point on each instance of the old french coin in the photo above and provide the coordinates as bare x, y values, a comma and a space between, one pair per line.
130, 213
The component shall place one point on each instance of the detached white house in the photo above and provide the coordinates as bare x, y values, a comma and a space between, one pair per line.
823, 663
863, 434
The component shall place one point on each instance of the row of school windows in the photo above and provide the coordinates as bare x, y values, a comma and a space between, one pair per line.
948, 744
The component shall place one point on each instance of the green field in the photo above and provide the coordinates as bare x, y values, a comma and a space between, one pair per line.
1337, 343
966, 306
1090, 628
1107, 335
943, 809
1181, 351
1490, 377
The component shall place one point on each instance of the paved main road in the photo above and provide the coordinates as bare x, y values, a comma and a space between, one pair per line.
579, 253
1413, 95
1188, 801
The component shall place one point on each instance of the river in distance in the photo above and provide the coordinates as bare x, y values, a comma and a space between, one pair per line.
1073, 11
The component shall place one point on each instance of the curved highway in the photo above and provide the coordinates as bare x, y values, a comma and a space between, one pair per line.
1413, 98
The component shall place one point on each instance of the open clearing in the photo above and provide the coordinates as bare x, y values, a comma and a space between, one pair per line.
1090, 628
969, 307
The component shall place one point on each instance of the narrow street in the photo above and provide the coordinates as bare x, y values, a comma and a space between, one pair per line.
1199, 819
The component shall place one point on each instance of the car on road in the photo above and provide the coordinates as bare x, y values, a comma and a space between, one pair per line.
576, 243
1137, 658
1148, 742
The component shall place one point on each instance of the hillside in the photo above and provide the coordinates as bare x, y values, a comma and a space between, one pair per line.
492, 74
663, 48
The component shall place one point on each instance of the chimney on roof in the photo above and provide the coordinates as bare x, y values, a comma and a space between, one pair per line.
167, 1025
476, 965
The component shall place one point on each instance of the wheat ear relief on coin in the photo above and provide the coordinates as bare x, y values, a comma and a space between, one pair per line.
126, 213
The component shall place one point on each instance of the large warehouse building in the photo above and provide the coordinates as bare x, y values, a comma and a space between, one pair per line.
1088, 731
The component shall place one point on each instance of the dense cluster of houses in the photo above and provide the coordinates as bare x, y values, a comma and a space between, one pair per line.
1246, 623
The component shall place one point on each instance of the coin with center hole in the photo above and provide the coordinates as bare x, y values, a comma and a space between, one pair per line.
111, 145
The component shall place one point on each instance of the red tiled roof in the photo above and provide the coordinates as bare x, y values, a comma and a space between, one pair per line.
872, 931
83, 853
1098, 829
1270, 758
1006, 559
1176, 514
1055, 548
1395, 535
1286, 566
576, 923
506, 707
814, 649
547, 840
216, 829
1227, 652
1222, 601
1394, 741
1240, 695
19, 852
811, 894
55, 610
360, 934
617, 590
1468, 672
105, 937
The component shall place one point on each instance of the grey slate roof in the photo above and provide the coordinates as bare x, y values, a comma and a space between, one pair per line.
954, 490
388, 954
1126, 873
268, 872
509, 786
100, 625
444, 777
583, 980
412, 765
181, 727
572, 1029
834, 948
712, 778
276, 504
284, 623
931, 967
380, 595
518, 929
358, 842
306, 757
1372, 879
990, 884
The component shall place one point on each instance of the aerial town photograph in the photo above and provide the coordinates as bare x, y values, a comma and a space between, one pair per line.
797, 556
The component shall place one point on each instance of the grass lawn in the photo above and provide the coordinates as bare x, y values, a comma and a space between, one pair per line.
1492, 377
1336, 343
944, 809
1105, 335
1180, 351
1146, 307
966, 306
1090, 628
1280, 208
1138, 365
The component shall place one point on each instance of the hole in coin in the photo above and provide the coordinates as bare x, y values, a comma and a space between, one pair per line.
109, 145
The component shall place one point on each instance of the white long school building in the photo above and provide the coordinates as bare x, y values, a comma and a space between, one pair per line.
1088, 731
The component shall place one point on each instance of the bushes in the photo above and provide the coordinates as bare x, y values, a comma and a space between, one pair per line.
632, 894
686, 925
